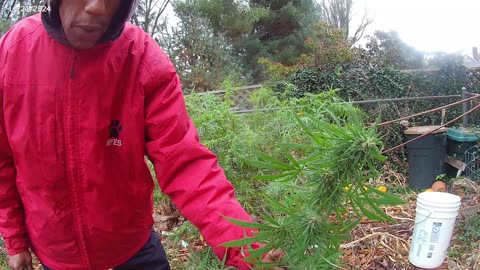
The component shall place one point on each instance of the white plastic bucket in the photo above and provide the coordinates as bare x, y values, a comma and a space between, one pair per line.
436, 213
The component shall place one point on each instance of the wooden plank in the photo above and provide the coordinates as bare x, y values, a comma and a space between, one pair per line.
460, 165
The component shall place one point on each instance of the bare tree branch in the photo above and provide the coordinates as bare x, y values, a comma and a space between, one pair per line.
366, 21
148, 15
159, 13
338, 13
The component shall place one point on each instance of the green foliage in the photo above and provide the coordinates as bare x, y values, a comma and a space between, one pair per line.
375, 73
3, 255
279, 35
323, 187
306, 81
234, 19
365, 81
252, 30
202, 57
328, 47
218, 127
467, 241
387, 47
235, 138
186, 232
205, 259
4, 26
470, 230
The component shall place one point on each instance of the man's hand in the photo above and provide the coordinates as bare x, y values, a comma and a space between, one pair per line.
274, 256
21, 261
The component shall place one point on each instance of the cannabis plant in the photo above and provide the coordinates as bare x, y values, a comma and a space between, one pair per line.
318, 190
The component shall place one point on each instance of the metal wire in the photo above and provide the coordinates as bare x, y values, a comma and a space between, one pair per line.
472, 161
431, 131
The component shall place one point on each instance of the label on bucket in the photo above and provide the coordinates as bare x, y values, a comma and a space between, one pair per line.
435, 236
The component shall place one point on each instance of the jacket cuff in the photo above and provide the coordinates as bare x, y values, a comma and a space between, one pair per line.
16, 245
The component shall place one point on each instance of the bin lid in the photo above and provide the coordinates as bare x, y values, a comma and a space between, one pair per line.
463, 135
424, 129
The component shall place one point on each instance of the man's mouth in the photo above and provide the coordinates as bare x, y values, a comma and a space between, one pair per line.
88, 32
90, 28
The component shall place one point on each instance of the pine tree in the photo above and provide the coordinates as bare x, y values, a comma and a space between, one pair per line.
280, 36
202, 56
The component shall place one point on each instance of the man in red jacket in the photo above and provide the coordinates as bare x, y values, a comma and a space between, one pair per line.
84, 97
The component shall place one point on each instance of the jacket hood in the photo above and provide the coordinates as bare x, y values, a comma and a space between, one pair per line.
53, 25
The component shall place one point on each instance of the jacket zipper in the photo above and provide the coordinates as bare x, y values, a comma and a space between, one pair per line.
73, 163
72, 70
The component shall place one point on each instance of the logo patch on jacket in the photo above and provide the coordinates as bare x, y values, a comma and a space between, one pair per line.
115, 129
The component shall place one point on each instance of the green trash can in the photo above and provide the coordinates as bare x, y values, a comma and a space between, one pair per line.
426, 156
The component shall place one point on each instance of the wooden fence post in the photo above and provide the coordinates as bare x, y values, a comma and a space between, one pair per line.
466, 107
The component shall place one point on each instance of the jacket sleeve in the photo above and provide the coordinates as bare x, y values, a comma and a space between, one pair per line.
12, 227
186, 170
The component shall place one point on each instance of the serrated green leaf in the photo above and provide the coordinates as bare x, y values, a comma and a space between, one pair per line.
277, 177
246, 224
240, 242
369, 214
388, 199
278, 206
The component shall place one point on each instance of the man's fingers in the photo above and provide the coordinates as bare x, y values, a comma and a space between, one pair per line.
18, 267
278, 253
15, 265
21, 266
21, 261
275, 255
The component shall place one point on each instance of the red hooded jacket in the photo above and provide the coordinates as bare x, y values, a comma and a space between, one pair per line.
74, 129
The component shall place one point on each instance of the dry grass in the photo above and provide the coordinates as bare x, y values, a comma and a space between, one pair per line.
374, 245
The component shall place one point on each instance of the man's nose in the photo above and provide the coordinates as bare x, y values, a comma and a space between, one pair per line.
96, 7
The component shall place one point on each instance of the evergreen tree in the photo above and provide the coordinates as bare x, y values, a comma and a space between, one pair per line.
276, 30
280, 36
202, 57
387, 47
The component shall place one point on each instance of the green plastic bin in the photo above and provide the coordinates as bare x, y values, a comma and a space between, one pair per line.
426, 156
459, 140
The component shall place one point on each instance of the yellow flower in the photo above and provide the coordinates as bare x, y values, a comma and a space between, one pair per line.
382, 189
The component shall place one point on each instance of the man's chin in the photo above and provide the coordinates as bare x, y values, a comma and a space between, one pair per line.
82, 45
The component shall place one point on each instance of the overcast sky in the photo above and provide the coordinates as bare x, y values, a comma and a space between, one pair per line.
428, 25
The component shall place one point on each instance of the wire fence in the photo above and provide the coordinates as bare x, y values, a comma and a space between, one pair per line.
243, 104
472, 161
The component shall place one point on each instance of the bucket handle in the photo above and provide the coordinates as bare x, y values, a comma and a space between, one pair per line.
425, 218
